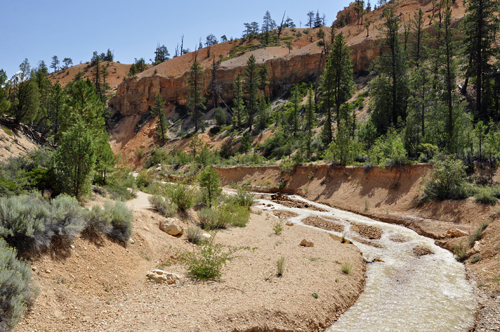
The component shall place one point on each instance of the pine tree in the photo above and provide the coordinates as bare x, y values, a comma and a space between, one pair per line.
195, 95
55, 63
317, 21
159, 113
417, 26
445, 59
336, 83
390, 90
75, 160
56, 106
252, 83
294, 116
161, 54
310, 19
239, 106
263, 113
24, 96
210, 182
44, 89
4, 93
481, 25
309, 123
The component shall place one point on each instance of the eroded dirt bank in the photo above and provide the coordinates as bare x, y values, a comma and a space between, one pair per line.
392, 196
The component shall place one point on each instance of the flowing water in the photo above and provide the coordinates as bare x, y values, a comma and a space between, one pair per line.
404, 292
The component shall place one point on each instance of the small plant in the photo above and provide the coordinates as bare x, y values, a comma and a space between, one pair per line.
163, 206
367, 205
182, 195
280, 267
243, 198
475, 259
476, 236
460, 252
278, 227
485, 196
16, 290
314, 295
194, 235
346, 267
208, 219
310, 176
139, 153
286, 169
207, 261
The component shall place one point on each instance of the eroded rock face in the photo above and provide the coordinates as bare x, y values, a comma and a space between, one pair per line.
163, 277
137, 95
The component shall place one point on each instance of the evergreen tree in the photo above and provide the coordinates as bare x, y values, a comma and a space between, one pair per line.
159, 113
317, 21
252, 83
447, 66
67, 63
24, 96
161, 54
56, 106
239, 107
309, 123
42, 123
210, 182
310, 19
294, 116
336, 83
4, 93
417, 32
263, 78
75, 160
263, 113
55, 63
267, 26
481, 25
390, 90
195, 94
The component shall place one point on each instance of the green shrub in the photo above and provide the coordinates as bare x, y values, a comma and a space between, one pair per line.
163, 206
144, 179
208, 219
460, 252
476, 236
16, 292
220, 116
210, 183
122, 220
486, 196
207, 261
121, 193
233, 214
475, 259
194, 235
243, 198
31, 223
246, 143
182, 195
346, 267
280, 266
447, 181
98, 224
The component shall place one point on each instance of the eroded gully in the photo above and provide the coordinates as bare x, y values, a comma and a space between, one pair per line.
403, 292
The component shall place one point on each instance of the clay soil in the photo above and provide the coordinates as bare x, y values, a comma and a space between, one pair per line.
104, 287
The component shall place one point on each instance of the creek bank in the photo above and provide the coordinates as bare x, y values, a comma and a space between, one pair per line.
392, 196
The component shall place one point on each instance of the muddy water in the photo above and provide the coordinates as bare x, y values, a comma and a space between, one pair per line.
404, 292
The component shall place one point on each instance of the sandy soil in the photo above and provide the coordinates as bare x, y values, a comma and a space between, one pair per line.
97, 288
13, 144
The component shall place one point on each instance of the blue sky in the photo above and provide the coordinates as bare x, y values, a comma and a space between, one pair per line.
37, 30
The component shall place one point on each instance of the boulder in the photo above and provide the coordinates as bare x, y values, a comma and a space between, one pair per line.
289, 223
171, 226
451, 233
306, 243
163, 277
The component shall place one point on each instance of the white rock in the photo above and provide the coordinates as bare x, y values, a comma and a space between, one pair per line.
131, 241
171, 226
161, 277
206, 236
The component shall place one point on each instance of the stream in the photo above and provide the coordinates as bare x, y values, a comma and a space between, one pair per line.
403, 292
